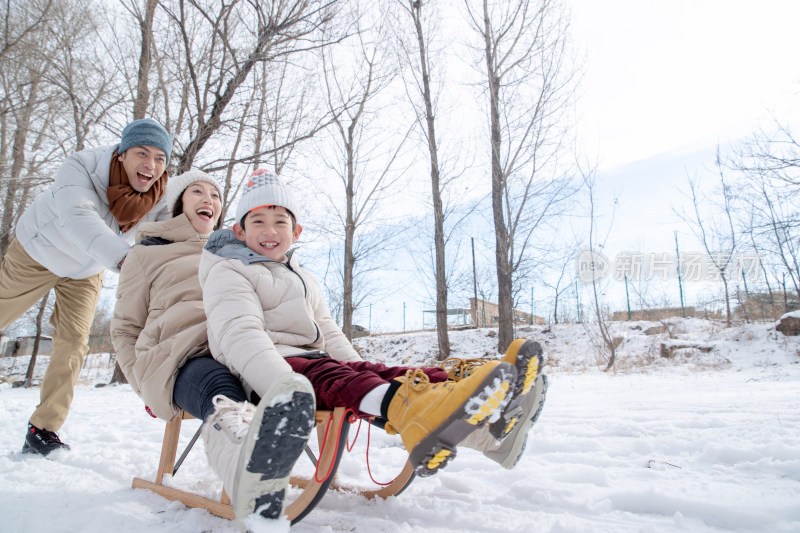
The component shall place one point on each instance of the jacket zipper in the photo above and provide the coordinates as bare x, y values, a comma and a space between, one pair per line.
305, 295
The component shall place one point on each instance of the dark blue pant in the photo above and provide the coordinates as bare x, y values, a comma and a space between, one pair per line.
199, 380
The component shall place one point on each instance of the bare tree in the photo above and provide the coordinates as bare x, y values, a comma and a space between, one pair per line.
237, 37
529, 84
608, 345
770, 164
561, 266
773, 153
716, 232
16, 31
364, 160
79, 71
426, 120
35, 351
37, 125
145, 21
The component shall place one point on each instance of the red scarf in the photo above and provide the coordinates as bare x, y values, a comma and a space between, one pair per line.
128, 205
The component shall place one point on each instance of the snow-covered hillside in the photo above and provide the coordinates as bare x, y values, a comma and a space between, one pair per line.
707, 439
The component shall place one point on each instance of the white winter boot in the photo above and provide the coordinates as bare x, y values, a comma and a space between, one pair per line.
223, 435
253, 449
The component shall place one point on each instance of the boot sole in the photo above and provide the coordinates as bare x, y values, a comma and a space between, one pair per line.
438, 447
528, 360
275, 442
27, 449
511, 449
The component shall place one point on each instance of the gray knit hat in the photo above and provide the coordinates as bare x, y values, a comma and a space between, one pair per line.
178, 184
145, 132
265, 188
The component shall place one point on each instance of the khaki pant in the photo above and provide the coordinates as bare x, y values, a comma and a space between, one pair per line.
23, 282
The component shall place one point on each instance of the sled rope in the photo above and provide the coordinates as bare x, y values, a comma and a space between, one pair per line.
352, 419
346, 416
369, 470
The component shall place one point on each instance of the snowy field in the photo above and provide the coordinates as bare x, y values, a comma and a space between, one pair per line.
708, 440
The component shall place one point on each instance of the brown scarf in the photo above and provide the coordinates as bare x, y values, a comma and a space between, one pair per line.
128, 205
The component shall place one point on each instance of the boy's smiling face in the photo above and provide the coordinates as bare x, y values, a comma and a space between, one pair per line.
268, 231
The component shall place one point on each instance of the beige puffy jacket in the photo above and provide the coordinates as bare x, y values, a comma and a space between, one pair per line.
260, 311
159, 320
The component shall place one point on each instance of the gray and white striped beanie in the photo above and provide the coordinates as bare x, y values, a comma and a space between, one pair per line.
265, 188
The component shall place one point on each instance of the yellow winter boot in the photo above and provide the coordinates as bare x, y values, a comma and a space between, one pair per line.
526, 357
433, 418
457, 368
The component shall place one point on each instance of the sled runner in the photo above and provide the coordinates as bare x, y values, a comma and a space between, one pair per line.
332, 430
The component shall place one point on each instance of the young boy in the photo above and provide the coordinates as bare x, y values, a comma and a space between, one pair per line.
267, 322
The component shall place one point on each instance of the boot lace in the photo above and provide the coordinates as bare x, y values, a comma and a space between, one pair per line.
49, 437
416, 380
458, 369
233, 417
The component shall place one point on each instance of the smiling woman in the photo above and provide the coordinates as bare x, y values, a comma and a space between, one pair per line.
202, 205
159, 322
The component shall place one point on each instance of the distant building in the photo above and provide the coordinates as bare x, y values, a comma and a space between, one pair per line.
654, 314
455, 317
24, 346
485, 313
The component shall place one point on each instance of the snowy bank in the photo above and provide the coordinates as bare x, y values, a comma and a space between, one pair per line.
705, 441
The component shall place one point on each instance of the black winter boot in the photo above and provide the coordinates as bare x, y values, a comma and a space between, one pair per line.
42, 441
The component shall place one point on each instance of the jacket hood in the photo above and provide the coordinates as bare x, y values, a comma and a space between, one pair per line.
97, 161
224, 243
177, 229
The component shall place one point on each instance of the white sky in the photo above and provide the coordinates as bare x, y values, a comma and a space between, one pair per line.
664, 82
667, 73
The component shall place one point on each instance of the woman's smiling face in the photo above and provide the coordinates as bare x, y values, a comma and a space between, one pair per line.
202, 206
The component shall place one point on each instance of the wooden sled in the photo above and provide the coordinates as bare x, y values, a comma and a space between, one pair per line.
332, 441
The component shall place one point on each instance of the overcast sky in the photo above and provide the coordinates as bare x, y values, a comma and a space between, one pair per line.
665, 82
663, 74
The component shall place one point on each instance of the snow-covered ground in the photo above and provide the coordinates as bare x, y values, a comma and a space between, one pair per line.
707, 440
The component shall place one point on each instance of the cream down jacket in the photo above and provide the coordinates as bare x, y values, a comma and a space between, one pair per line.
159, 320
69, 228
260, 311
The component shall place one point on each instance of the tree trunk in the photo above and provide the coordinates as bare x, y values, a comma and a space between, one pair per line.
118, 376
727, 302
18, 152
555, 309
504, 300
349, 238
145, 61
438, 211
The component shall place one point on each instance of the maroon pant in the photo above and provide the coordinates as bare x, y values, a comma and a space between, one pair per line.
344, 384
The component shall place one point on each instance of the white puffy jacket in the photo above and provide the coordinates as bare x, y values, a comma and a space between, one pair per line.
260, 311
69, 229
